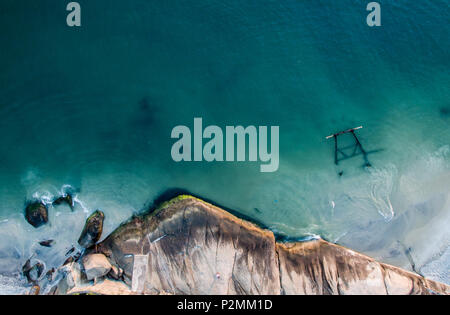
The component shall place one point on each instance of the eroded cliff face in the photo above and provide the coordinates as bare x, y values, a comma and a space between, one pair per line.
191, 247
320, 267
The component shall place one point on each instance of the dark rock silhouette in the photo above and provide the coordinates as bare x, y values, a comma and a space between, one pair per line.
48, 243
36, 214
67, 199
92, 230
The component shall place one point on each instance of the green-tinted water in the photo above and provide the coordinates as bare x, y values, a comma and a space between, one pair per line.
93, 108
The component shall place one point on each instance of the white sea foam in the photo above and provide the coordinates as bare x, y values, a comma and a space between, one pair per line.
10, 285
78, 201
310, 237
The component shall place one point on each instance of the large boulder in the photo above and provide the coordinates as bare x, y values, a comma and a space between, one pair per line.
75, 281
72, 278
92, 230
65, 199
96, 266
188, 246
36, 214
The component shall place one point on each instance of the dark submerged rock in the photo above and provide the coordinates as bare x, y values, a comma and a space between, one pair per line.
68, 261
70, 251
445, 111
36, 272
32, 273
26, 267
67, 199
36, 214
48, 243
50, 275
92, 230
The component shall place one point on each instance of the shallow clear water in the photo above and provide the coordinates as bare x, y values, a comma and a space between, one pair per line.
94, 107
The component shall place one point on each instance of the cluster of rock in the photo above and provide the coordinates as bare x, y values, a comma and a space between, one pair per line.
36, 214
188, 246
93, 274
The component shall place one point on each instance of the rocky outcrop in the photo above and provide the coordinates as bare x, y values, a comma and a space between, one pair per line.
188, 246
36, 214
65, 199
319, 267
92, 230
96, 266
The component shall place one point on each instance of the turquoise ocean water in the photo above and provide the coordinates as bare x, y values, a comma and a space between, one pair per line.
91, 110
